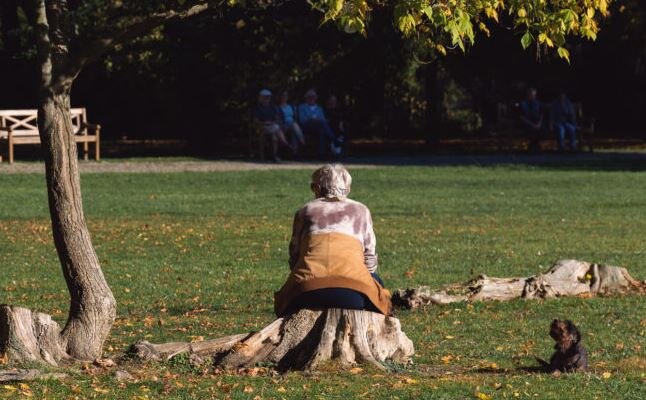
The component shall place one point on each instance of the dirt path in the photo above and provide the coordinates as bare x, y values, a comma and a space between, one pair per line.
611, 160
166, 165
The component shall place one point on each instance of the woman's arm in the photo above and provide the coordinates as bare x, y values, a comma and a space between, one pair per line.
370, 245
295, 242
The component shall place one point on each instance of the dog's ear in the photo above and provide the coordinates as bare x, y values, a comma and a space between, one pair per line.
573, 330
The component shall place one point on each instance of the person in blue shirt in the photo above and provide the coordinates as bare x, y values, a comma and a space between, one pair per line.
313, 121
531, 118
289, 124
563, 121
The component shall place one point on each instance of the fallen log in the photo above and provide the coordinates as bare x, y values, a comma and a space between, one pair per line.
564, 278
301, 341
15, 374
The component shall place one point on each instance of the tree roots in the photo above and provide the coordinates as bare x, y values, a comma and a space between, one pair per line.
301, 341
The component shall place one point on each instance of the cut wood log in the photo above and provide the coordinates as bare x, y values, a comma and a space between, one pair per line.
564, 278
9, 375
27, 336
147, 351
301, 341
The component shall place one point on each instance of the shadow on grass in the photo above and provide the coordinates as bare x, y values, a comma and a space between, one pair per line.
602, 161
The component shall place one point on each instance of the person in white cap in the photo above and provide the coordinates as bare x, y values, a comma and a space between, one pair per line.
267, 116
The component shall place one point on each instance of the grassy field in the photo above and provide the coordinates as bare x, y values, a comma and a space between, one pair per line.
193, 255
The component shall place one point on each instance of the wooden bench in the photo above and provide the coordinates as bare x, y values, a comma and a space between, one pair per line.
509, 127
21, 127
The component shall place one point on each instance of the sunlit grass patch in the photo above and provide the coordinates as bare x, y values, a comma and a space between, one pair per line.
199, 255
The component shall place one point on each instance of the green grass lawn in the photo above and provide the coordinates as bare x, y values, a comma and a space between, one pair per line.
192, 255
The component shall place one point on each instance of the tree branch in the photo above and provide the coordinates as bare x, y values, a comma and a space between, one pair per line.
92, 49
43, 45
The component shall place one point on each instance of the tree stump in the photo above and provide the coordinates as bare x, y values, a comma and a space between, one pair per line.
27, 336
301, 341
564, 278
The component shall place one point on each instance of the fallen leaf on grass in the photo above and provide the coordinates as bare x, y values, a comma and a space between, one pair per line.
356, 370
447, 359
281, 390
482, 396
25, 390
606, 375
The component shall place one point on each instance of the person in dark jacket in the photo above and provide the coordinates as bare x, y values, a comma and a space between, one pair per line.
563, 121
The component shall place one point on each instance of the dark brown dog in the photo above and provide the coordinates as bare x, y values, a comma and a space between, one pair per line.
569, 355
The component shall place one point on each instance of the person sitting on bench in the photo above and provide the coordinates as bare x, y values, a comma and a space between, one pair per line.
332, 255
313, 122
267, 117
563, 121
289, 124
531, 118
336, 120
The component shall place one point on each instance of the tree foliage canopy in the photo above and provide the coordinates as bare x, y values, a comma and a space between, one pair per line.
453, 23
96, 25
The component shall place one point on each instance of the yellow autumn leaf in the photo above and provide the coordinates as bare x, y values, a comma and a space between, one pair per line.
356, 370
483, 396
281, 389
9, 388
606, 375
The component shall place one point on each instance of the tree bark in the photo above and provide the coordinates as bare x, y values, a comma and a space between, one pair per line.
92, 305
301, 341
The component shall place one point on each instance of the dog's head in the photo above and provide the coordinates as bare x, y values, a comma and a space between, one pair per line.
565, 333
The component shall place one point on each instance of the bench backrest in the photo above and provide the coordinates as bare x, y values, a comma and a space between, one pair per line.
25, 122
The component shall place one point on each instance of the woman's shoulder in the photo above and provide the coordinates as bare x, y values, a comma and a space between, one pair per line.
356, 203
334, 202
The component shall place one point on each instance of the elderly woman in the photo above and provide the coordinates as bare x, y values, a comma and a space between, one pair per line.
332, 251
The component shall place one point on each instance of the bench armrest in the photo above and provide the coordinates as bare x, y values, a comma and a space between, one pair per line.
93, 127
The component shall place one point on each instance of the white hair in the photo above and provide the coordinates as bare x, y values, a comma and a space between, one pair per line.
332, 180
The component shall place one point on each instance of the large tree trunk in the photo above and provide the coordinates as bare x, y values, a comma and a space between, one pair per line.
301, 341
92, 305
